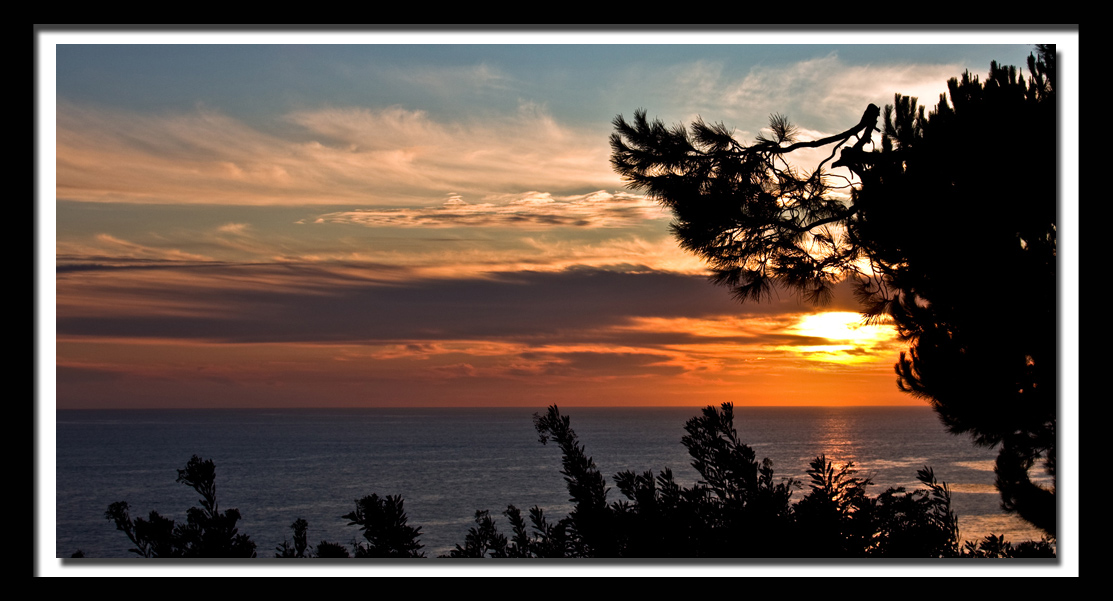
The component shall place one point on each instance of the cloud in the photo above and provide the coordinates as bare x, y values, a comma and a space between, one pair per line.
234, 228
290, 303
130, 250
368, 305
231, 243
530, 210
268, 334
827, 90
385, 157
514, 241
625, 254
423, 79
448, 81
823, 94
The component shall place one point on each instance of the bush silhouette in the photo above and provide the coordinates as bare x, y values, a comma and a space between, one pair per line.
383, 523
737, 509
208, 532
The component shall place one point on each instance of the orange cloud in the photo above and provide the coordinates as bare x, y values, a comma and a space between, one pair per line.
529, 210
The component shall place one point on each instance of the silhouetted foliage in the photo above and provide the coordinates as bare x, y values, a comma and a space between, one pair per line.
735, 509
996, 547
327, 550
915, 524
209, 533
383, 523
737, 491
206, 533
589, 523
300, 548
988, 368
520, 544
483, 540
834, 519
382, 520
948, 229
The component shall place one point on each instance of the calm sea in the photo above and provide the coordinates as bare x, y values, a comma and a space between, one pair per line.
276, 466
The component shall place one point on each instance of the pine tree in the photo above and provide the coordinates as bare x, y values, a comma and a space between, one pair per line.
948, 229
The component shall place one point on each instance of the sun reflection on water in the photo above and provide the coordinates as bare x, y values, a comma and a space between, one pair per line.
836, 440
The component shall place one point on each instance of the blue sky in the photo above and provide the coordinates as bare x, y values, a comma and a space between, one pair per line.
575, 82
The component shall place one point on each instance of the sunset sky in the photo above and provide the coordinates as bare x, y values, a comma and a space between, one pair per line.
306, 224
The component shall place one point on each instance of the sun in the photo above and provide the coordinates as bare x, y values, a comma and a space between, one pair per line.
840, 337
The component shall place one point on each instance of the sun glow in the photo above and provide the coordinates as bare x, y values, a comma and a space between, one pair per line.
840, 337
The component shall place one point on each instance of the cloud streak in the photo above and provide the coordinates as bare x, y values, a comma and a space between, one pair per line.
325, 304
532, 210
386, 157
822, 90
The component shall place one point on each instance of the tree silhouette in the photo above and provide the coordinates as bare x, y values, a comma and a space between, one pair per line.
948, 229
301, 549
383, 523
208, 532
734, 510
589, 522
993, 546
737, 493
484, 539
834, 518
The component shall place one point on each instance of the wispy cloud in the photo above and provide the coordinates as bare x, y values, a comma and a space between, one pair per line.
234, 228
530, 210
125, 249
453, 80
824, 93
338, 244
387, 157
828, 90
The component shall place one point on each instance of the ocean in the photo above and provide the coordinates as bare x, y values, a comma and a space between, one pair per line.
276, 466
